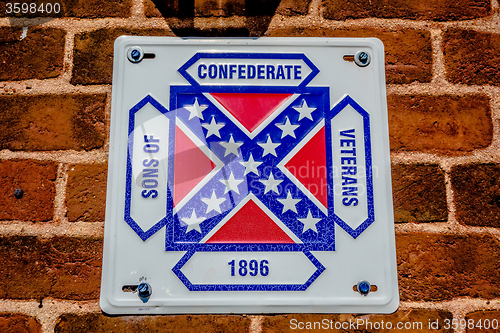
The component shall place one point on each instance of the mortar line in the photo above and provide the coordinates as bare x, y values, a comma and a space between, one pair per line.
96, 229
450, 199
494, 6
445, 228
137, 10
49, 230
315, 9
485, 24
60, 85
256, 324
99, 156
438, 61
60, 197
68, 57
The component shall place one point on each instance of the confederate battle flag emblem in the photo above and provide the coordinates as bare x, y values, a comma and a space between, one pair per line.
249, 157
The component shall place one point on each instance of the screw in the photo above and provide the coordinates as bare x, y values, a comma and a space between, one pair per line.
362, 58
144, 291
18, 193
364, 287
135, 54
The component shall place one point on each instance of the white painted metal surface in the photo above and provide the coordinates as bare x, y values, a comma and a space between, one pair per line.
249, 176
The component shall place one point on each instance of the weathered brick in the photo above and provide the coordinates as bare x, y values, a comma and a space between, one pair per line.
37, 180
60, 267
436, 267
477, 194
97, 8
96, 323
472, 57
293, 7
86, 192
417, 320
483, 321
52, 122
72, 8
37, 56
91, 67
419, 193
19, 323
408, 54
438, 10
439, 124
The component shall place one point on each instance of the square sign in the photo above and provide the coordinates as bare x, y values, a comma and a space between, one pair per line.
249, 176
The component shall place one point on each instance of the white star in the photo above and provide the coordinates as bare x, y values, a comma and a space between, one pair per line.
269, 147
287, 128
231, 146
309, 222
289, 203
304, 110
213, 203
251, 165
196, 109
193, 222
271, 184
231, 183
213, 128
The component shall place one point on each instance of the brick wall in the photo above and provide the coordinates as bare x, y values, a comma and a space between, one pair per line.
443, 86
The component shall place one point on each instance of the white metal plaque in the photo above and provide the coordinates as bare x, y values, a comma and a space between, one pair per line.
249, 176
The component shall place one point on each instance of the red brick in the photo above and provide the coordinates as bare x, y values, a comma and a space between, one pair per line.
472, 57
19, 323
60, 267
417, 320
439, 124
37, 56
483, 321
293, 7
438, 267
96, 67
419, 193
72, 8
477, 194
36, 179
96, 323
438, 10
86, 192
97, 8
52, 122
408, 54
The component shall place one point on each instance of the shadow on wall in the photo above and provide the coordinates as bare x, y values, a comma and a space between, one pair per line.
180, 15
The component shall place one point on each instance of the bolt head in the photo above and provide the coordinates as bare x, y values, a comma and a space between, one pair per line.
18, 193
362, 58
364, 287
144, 290
135, 54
